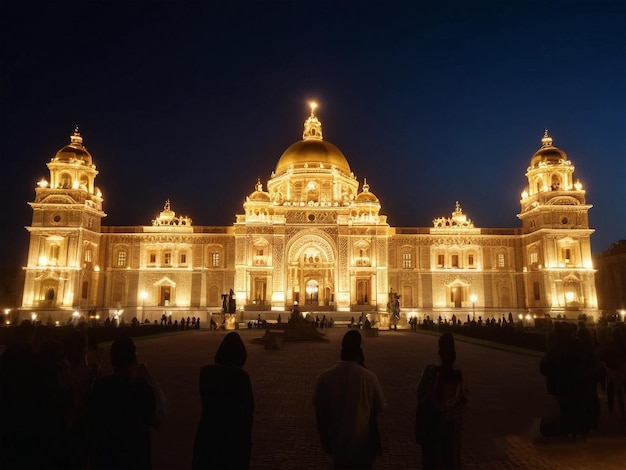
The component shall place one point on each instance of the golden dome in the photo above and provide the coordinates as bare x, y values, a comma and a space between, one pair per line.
312, 153
366, 197
75, 151
259, 195
548, 153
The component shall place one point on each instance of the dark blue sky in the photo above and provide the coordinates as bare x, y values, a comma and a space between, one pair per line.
432, 102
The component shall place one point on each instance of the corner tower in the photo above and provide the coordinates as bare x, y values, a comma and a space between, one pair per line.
62, 267
556, 234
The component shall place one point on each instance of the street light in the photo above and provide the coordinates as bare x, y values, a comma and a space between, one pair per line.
473, 299
144, 295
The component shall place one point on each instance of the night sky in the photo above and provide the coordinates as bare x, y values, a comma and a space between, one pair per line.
432, 102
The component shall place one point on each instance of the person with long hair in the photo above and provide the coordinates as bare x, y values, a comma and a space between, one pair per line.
224, 436
441, 399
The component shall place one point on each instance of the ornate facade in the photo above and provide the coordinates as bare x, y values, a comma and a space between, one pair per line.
315, 236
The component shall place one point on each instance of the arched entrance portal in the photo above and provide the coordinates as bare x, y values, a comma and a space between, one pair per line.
312, 292
311, 272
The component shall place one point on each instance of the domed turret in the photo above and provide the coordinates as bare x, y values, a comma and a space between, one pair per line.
548, 154
75, 152
259, 195
365, 207
550, 169
365, 196
551, 186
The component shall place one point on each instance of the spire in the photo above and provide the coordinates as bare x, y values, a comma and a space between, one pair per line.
366, 187
312, 126
76, 139
457, 208
546, 141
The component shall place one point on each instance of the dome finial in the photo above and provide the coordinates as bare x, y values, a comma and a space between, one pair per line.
366, 187
312, 126
258, 186
546, 141
76, 138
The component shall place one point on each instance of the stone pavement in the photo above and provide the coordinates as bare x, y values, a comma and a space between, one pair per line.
507, 398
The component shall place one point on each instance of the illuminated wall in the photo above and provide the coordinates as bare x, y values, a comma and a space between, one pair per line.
315, 236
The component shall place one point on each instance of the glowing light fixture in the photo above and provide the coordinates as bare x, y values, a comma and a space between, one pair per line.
42, 183
473, 298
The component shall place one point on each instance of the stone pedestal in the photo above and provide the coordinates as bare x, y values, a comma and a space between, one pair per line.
274, 339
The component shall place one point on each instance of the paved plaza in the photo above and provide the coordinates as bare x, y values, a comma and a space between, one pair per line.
507, 398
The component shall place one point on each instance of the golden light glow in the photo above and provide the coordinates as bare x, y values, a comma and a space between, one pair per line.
311, 172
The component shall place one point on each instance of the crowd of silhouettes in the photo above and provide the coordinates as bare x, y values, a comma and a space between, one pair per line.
60, 404
60, 413
578, 362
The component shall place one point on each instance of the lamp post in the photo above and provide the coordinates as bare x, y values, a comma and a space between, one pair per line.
144, 294
473, 299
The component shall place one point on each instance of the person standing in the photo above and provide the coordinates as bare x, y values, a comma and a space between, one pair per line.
441, 399
224, 436
121, 410
347, 399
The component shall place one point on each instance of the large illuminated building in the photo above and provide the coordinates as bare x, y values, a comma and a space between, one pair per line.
315, 235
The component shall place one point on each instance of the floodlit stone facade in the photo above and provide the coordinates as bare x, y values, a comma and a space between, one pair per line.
315, 236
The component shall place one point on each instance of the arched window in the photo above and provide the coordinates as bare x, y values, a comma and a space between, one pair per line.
121, 258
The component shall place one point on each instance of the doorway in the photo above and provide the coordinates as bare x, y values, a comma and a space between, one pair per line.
312, 292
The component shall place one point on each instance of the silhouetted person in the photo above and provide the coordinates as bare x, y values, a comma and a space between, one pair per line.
347, 399
441, 400
566, 372
121, 410
589, 403
224, 436
614, 356
81, 378
33, 433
